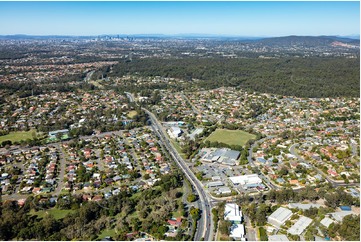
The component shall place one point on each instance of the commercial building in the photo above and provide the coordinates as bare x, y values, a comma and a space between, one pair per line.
232, 212
237, 232
215, 184
279, 217
300, 226
338, 216
223, 190
174, 132
247, 181
223, 155
279, 237
303, 206
326, 222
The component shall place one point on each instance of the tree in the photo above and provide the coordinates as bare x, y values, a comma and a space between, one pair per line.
224, 226
195, 213
191, 198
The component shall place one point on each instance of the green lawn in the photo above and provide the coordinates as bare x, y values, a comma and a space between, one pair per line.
57, 213
178, 148
230, 137
262, 234
19, 135
132, 114
107, 232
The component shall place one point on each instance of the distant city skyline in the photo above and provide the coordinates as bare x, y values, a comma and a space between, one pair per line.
178, 18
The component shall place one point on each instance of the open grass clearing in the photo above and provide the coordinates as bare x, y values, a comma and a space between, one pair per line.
57, 213
132, 114
20, 135
230, 137
178, 148
107, 232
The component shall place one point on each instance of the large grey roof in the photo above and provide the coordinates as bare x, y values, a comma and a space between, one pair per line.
280, 215
300, 226
279, 237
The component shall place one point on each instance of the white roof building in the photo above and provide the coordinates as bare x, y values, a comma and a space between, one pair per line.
279, 237
252, 179
300, 226
232, 212
338, 216
326, 222
279, 217
237, 231
174, 132
215, 184
303, 206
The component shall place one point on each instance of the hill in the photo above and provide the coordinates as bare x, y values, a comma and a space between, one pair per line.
306, 41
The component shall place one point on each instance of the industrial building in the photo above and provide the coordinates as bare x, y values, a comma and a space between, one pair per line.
237, 232
174, 132
338, 216
247, 181
300, 226
215, 184
223, 190
232, 212
224, 155
279, 217
304, 206
326, 222
279, 237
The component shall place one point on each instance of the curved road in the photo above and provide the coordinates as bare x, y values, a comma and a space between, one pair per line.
250, 161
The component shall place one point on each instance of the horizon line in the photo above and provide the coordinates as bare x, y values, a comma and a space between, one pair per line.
183, 35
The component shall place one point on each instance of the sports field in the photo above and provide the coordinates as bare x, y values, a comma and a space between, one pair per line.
230, 137
17, 136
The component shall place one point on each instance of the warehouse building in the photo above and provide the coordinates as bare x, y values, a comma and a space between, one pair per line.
279, 217
300, 226
304, 206
237, 232
223, 191
279, 237
326, 222
338, 216
215, 184
223, 155
247, 181
232, 212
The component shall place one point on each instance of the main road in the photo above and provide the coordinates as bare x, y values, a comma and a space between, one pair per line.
205, 222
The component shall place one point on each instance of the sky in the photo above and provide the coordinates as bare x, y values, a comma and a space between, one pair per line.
170, 18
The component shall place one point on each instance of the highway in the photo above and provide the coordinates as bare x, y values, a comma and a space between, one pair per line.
204, 227
205, 223
332, 182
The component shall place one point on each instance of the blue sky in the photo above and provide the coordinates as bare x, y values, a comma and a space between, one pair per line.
220, 18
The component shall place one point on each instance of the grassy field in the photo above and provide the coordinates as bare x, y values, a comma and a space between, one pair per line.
132, 114
19, 135
57, 213
230, 137
107, 232
178, 148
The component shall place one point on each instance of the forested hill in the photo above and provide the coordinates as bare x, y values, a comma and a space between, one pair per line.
302, 77
307, 41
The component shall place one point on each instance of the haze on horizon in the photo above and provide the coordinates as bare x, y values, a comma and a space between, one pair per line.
172, 18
